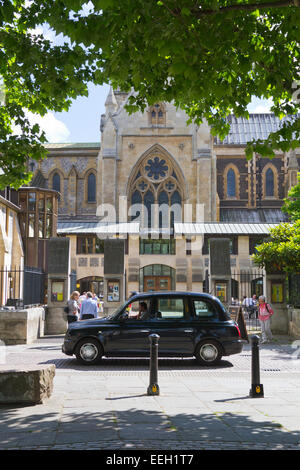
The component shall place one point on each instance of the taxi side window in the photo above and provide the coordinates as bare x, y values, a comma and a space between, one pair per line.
203, 309
170, 309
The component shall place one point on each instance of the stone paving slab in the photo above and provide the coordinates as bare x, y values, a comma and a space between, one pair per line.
106, 406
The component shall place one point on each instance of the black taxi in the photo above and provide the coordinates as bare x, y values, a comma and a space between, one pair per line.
188, 324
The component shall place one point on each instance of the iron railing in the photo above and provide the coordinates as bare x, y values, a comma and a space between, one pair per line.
20, 287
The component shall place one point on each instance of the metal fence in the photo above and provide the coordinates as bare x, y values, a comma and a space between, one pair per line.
294, 290
244, 285
22, 286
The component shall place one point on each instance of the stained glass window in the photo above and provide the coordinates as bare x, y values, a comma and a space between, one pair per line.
91, 188
175, 215
163, 201
231, 183
136, 198
269, 182
148, 202
156, 168
56, 182
156, 182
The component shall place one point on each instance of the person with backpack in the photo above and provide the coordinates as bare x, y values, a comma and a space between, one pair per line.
265, 312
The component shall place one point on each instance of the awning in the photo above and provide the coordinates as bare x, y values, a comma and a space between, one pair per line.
98, 228
221, 229
187, 229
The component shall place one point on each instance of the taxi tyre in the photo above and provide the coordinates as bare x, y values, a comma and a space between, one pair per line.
209, 352
88, 351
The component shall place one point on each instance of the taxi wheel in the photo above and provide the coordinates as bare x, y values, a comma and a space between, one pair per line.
88, 351
208, 353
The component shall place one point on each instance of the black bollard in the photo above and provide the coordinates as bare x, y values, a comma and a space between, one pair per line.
153, 388
257, 389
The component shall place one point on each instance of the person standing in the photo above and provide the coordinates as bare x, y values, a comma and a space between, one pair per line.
255, 305
248, 305
265, 312
82, 298
73, 307
88, 308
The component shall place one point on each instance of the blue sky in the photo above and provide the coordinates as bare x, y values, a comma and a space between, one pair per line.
83, 118
82, 122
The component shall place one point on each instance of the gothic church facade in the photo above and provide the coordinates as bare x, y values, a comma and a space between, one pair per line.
154, 160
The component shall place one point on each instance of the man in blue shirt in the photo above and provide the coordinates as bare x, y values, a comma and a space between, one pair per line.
88, 308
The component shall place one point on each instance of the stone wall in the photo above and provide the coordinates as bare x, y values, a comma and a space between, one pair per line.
294, 323
21, 326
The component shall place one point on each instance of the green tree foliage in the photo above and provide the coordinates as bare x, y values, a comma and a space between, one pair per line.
36, 76
209, 56
292, 202
282, 251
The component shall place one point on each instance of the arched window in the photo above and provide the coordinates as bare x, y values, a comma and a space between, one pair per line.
231, 183
157, 115
269, 183
91, 188
156, 185
56, 182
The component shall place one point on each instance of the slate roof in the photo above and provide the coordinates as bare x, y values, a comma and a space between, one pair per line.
218, 228
271, 216
70, 145
64, 227
258, 126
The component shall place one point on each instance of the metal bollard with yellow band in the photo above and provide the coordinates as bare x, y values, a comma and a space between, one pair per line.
153, 388
257, 389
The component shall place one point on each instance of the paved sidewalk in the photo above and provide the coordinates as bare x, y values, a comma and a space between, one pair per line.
106, 406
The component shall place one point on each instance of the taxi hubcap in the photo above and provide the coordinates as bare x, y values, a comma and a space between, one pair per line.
88, 352
208, 352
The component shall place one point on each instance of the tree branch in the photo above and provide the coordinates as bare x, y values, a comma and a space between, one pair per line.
199, 12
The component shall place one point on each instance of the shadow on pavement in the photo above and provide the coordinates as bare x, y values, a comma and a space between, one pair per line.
146, 429
123, 364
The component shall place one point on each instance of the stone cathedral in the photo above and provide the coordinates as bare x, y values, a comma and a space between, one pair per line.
152, 160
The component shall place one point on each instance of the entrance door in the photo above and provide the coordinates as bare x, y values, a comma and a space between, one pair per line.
156, 283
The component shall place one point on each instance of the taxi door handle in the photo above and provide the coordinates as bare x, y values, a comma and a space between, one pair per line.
189, 331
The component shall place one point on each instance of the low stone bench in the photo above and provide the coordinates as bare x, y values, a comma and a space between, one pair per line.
30, 385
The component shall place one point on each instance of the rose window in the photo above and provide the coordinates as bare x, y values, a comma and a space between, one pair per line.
156, 168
